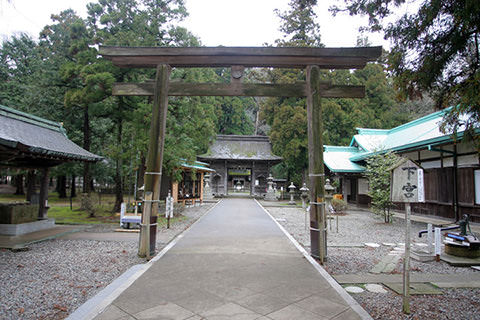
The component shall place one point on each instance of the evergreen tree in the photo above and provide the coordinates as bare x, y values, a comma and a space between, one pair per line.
378, 174
435, 52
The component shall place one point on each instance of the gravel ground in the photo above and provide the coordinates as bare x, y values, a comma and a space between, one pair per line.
53, 278
347, 254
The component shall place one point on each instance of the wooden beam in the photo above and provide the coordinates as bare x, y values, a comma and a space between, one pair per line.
325, 58
241, 90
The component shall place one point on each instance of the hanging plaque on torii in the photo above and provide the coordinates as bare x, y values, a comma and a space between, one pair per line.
238, 58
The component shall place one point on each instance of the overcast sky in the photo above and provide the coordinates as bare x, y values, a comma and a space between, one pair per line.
215, 22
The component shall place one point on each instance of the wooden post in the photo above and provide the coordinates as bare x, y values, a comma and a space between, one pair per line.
438, 243
406, 262
153, 174
225, 180
201, 187
318, 238
43, 196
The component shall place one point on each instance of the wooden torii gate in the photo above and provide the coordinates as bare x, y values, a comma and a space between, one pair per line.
238, 58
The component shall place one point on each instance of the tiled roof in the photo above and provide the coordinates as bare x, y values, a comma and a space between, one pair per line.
26, 139
237, 147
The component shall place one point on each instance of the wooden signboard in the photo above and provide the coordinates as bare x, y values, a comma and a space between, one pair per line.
407, 182
407, 186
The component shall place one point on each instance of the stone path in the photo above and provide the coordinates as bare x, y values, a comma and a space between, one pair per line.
446, 280
234, 263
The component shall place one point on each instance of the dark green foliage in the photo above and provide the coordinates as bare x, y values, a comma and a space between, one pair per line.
378, 174
287, 116
339, 205
435, 51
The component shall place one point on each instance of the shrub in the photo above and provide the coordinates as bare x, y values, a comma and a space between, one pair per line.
378, 174
339, 205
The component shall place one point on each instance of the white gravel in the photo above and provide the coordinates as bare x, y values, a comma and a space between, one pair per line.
53, 278
348, 254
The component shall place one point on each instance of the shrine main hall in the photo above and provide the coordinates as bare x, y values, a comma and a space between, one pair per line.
241, 163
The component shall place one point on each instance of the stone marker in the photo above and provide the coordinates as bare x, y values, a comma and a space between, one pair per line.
353, 289
375, 288
372, 244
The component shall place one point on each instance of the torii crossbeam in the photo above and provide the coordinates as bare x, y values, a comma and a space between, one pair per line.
238, 58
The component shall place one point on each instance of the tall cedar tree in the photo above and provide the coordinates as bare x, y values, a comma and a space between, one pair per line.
287, 116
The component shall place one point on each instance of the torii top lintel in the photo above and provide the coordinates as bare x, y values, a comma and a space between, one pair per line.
290, 57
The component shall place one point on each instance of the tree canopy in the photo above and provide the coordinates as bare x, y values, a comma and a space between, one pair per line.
287, 117
61, 77
435, 51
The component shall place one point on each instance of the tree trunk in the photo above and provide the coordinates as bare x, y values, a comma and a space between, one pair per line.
73, 190
19, 184
118, 165
30, 184
86, 145
62, 186
141, 171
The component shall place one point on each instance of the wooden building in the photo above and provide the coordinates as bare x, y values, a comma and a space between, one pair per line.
452, 167
35, 144
191, 185
241, 163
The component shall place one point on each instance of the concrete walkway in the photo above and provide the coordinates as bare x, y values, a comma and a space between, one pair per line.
234, 263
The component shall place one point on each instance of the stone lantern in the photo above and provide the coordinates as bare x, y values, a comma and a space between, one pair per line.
328, 194
304, 195
207, 190
270, 195
291, 189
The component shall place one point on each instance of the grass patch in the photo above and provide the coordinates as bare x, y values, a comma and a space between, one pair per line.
63, 215
60, 210
162, 221
54, 199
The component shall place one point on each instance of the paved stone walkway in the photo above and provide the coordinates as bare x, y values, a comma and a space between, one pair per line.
455, 280
234, 263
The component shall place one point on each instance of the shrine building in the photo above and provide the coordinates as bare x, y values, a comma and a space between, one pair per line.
241, 163
451, 166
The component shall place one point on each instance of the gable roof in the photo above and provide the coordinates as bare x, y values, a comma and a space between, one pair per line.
30, 141
414, 135
337, 159
369, 139
238, 147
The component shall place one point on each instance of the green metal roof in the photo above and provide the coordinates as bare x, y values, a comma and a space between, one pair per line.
337, 159
197, 165
369, 139
414, 135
